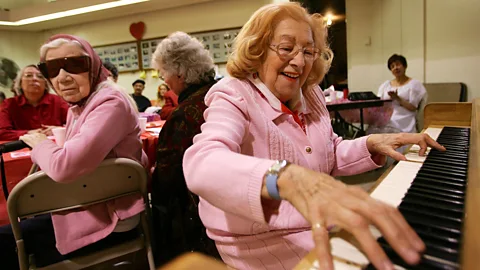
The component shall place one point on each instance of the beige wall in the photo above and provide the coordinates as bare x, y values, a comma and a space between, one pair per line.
194, 18
438, 37
21, 47
453, 43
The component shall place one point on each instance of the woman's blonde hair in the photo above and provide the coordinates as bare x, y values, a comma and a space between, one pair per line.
158, 89
251, 45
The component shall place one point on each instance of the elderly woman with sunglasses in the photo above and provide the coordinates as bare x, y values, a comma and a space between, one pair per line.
93, 134
33, 109
264, 161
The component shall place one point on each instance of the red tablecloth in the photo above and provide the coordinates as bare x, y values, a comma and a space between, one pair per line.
18, 164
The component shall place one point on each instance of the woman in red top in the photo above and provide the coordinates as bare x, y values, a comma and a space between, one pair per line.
33, 109
171, 103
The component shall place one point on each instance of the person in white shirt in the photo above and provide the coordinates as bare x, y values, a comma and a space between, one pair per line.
406, 93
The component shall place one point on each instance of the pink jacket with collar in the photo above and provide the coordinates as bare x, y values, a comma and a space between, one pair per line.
242, 136
93, 134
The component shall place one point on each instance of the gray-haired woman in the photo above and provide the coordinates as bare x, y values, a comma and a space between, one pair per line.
33, 109
188, 70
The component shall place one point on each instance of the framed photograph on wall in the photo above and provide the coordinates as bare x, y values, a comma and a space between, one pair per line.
148, 48
123, 55
218, 42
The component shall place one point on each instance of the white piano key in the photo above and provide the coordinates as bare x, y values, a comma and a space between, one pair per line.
413, 156
344, 250
392, 189
433, 132
338, 265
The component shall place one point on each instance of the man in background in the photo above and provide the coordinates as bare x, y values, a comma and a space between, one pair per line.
142, 101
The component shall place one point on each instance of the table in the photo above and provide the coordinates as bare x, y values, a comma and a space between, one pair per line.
194, 260
18, 164
345, 105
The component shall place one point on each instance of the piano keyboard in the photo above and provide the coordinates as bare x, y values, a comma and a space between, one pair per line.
430, 193
434, 203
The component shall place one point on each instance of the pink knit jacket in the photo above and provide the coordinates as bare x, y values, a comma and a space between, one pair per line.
242, 136
93, 134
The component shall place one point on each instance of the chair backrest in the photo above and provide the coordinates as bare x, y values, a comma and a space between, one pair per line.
38, 193
419, 116
446, 92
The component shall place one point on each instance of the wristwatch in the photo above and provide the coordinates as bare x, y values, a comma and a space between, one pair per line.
272, 178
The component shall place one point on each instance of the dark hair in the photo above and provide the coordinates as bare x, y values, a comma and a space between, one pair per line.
2, 95
138, 81
112, 68
396, 58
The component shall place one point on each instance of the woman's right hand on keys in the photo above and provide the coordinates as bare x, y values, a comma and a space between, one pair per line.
324, 201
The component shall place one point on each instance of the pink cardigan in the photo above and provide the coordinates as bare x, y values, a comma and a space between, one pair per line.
105, 127
241, 137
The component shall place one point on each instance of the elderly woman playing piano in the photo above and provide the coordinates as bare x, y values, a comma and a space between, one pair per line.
264, 161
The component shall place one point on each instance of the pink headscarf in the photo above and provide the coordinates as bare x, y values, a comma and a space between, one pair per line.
97, 73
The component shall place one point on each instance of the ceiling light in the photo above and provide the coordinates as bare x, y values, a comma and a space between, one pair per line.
72, 12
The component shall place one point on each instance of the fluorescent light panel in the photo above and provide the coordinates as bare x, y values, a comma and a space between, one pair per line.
72, 12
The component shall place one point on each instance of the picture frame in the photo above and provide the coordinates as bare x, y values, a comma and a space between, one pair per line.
148, 49
137, 55
122, 55
218, 42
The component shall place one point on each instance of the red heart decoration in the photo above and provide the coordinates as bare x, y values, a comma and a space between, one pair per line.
137, 30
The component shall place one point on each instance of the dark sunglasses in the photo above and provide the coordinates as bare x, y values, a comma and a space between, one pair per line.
74, 65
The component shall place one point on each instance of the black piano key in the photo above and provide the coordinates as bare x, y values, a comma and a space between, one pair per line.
442, 184
442, 175
445, 167
450, 242
434, 250
425, 264
446, 225
449, 207
434, 203
441, 193
438, 189
435, 230
439, 162
452, 160
453, 139
454, 204
438, 248
459, 154
428, 210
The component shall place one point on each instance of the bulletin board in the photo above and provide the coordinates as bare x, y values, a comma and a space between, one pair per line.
218, 43
134, 56
123, 55
147, 48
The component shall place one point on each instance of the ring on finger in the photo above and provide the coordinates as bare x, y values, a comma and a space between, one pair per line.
318, 226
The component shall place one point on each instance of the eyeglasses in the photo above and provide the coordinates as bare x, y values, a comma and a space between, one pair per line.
74, 65
29, 76
288, 51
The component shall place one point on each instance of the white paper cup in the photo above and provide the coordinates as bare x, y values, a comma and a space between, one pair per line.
59, 134
142, 123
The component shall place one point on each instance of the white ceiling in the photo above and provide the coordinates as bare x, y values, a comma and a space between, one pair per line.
23, 9
14, 4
